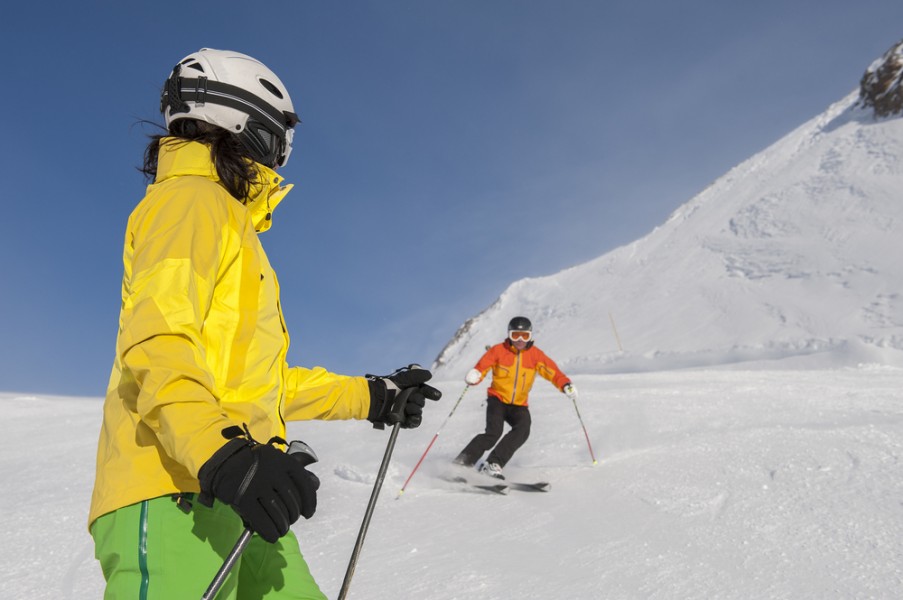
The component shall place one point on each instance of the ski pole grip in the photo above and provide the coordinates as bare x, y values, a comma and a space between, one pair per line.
396, 415
302, 453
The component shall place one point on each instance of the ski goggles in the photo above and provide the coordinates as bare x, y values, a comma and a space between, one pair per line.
520, 336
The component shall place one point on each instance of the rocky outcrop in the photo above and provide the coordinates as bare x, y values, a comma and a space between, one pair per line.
881, 87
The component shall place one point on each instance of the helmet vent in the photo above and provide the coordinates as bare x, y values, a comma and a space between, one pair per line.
192, 64
270, 88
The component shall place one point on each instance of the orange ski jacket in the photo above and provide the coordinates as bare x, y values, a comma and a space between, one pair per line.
513, 371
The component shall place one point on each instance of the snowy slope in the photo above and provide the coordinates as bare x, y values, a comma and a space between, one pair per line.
793, 253
763, 480
710, 484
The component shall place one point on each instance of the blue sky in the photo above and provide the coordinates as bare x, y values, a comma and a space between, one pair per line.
447, 149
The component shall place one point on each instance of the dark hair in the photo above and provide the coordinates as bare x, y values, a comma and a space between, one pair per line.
237, 173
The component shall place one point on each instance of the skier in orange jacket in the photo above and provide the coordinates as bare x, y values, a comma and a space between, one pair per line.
514, 364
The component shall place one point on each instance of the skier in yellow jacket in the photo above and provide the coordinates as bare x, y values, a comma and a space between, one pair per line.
191, 446
514, 364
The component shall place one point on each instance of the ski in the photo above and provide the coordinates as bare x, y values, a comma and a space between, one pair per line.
506, 486
495, 488
480, 481
538, 486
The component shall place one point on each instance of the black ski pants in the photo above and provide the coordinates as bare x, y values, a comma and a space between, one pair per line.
497, 414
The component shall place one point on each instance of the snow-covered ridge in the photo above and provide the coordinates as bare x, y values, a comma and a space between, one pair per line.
792, 254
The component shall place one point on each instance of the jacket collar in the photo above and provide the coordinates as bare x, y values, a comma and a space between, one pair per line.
511, 348
193, 158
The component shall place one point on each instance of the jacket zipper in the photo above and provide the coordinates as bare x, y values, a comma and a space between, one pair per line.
516, 375
282, 355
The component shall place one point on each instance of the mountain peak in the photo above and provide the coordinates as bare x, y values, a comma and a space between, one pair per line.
790, 257
881, 87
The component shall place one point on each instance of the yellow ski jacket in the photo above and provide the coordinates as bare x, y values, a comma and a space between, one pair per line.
202, 342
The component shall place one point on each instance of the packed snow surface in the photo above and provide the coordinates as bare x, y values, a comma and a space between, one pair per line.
710, 484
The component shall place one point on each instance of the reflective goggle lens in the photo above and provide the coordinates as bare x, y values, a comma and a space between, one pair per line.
520, 336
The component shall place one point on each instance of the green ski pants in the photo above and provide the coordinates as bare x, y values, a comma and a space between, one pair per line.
154, 551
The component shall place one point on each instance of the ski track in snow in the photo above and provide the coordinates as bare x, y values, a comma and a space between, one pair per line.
710, 484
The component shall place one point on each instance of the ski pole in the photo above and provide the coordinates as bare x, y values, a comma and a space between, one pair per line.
300, 452
417, 466
586, 435
380, 476
230, 561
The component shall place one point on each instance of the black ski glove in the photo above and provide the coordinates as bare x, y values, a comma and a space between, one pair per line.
400, 397
267, 487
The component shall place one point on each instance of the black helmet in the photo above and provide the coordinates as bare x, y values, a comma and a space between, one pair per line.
520, 324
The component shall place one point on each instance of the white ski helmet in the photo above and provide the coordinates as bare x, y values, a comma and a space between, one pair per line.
238, 93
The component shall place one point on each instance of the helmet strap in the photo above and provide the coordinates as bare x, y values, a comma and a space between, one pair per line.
203, 90
172, 96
